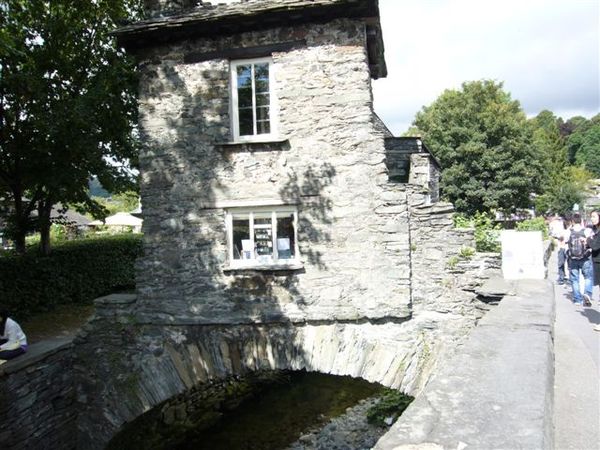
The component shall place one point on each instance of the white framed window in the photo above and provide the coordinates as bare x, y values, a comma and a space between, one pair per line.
254, 106
263, 236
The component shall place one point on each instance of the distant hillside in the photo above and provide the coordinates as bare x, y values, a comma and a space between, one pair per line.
96, 189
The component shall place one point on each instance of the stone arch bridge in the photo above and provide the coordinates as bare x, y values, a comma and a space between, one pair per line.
127, 364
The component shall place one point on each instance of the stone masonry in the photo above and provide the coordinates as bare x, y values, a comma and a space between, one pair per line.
37, 399
384, 287
325, 109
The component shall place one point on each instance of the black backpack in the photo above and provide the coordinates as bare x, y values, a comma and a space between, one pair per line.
577, 249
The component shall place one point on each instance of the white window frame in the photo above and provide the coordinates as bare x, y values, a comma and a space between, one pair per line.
273, 106
250, 213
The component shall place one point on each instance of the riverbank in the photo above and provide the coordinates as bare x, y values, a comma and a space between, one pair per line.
350, 431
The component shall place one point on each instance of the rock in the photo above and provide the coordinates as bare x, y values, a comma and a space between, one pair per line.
350, 431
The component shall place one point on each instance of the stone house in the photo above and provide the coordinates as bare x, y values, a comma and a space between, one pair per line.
265, 178
284, 226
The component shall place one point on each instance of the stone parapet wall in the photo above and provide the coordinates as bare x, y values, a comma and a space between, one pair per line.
445, 275
37, 399
497, 391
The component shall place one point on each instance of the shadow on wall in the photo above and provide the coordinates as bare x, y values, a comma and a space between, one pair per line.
181, 176
315, 208
131, 366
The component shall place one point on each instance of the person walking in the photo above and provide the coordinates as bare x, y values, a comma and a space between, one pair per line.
594, 244
580, 262
557, 231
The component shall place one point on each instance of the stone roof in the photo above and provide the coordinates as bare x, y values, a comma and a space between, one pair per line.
225, 19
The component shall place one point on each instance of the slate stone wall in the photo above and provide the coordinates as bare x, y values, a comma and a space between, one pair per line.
496, 392
37, 399
331, 165
374, 299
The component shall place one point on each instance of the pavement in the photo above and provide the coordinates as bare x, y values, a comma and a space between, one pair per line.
577, 370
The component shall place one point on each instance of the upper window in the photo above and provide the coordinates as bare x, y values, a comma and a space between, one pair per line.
262, 236
253, 100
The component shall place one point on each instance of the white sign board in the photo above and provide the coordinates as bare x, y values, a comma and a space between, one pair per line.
522, 255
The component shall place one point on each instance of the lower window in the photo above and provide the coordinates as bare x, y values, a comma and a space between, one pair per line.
262, 236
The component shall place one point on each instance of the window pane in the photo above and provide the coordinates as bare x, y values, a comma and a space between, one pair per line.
262, 113
245, 98
242, 245
261, 72
286, 242
244, 76
245, 116
263, 237
261, 86
263, 127
262, 99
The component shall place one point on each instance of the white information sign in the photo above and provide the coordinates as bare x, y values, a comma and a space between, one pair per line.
522, 255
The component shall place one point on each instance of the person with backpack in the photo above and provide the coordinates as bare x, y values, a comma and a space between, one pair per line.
580, 263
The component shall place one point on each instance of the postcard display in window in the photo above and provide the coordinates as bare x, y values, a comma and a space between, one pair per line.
263, 239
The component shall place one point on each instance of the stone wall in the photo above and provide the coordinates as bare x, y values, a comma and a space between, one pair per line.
126, 368
331, 164
374, 297
408, 161
37, 398
497, 391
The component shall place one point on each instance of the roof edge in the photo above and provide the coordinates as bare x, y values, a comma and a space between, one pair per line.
223, 20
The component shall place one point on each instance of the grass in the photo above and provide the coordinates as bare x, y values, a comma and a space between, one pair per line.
62, 321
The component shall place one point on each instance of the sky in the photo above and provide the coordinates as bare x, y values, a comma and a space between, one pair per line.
546, 52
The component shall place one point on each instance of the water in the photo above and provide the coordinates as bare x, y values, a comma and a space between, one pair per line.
279, 415
259, 415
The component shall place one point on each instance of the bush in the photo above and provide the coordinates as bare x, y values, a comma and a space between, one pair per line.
536, 224
462, 221
76, 272
466, 253
391, 405
487, 235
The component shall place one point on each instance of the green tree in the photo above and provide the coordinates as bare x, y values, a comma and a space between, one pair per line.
588, 154
121, 202
559, 189
67, 107
480, 136
582, 142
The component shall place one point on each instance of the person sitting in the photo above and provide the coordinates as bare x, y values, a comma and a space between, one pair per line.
13, 341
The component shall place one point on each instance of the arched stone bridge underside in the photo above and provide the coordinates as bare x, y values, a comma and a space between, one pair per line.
145, 365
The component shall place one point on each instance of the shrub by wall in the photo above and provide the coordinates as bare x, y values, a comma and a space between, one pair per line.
535, 224
76, 272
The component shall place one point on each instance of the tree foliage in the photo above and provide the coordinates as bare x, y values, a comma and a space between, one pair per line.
67, 107
479, 134
561, 185
121, 202
586, 147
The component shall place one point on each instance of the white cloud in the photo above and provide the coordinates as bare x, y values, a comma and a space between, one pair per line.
545, 51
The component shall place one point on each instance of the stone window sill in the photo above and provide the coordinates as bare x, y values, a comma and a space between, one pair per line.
265, 268
255, 146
